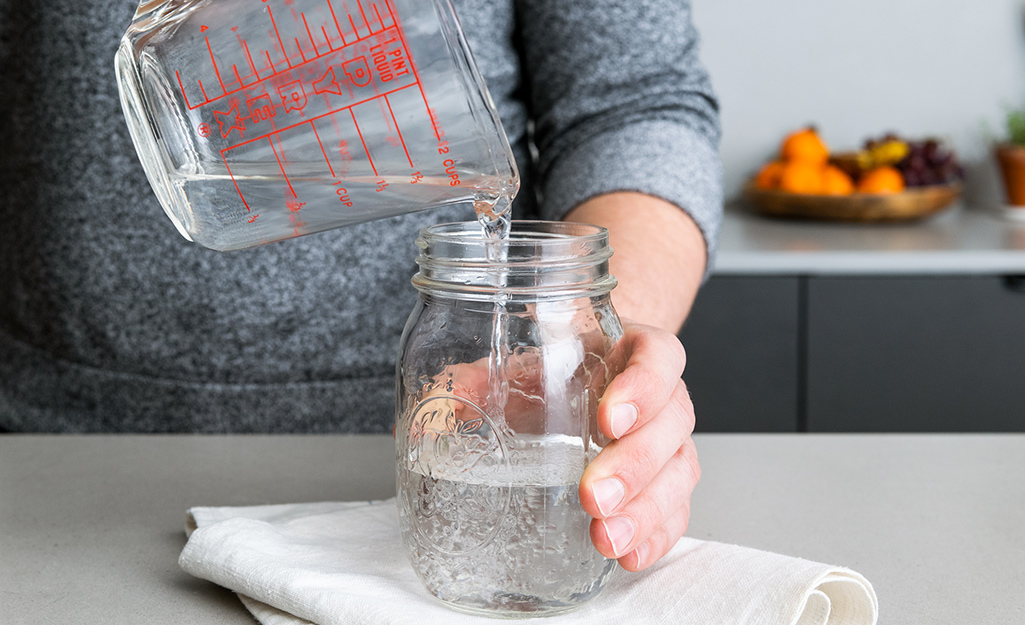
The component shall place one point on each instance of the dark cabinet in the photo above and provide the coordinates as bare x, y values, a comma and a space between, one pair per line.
741, 341
915, 354
858, 354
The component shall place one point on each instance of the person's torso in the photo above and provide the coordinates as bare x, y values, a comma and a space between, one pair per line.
93, 273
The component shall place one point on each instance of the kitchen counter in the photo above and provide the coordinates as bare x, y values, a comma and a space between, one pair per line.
91, 526
957, 241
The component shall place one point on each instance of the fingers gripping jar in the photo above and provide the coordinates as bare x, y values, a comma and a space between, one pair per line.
501, 366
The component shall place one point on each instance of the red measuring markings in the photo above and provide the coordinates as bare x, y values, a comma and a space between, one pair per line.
327, 83
388, 68
293, 98
372, 166
322, 150
261, 108
297, 124
278, 35
237, 75
269, 104
335, 18
214, 61
357, 71
230, 120
282, 166
249, 57
360, 4
394, 15
293, 95
269, 136
398, 131
317, 54
306, 24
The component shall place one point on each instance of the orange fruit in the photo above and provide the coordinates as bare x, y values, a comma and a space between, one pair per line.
801, 177
881, 180
804, 145
768, 177
835, 181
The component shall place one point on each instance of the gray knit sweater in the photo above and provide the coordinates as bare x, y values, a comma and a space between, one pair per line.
111, 321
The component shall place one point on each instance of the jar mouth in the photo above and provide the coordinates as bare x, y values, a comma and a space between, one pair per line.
521, 230
539, 260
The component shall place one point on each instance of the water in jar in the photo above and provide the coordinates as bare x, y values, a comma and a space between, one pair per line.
504, 539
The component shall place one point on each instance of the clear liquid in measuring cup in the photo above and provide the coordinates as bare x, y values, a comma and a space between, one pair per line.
301, 203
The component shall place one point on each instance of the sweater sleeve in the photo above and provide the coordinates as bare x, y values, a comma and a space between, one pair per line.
621, 103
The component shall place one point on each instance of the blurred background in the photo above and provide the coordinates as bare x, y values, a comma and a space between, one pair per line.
946, 68
916, 325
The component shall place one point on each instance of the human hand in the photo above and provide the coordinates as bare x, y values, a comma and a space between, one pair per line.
638, 488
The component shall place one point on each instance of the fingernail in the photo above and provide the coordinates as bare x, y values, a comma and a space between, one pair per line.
641, 554
607, 494
623, 418
620, 532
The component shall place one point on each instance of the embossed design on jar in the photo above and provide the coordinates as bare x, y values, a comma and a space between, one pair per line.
455, 496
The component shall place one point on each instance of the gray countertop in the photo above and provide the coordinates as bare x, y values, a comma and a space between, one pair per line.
956, 241
91, 526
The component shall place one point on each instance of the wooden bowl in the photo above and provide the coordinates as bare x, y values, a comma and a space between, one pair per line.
910, 204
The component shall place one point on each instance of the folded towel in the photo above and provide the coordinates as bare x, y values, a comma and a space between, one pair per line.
343, 563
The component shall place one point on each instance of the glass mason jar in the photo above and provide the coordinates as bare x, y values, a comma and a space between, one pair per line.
501, 366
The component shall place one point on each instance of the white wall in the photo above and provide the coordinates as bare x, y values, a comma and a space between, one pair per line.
857, 68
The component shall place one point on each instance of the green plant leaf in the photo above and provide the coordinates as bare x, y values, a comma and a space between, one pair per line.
1016, 127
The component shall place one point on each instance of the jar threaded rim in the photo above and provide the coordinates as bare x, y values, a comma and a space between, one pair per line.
539, 260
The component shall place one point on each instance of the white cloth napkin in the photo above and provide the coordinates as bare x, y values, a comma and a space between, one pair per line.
343, 564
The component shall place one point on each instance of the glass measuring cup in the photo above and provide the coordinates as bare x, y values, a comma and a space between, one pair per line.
262, 120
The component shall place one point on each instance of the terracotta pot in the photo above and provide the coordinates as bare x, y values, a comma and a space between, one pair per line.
1012, 166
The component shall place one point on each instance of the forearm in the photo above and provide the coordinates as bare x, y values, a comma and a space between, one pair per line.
659, 256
